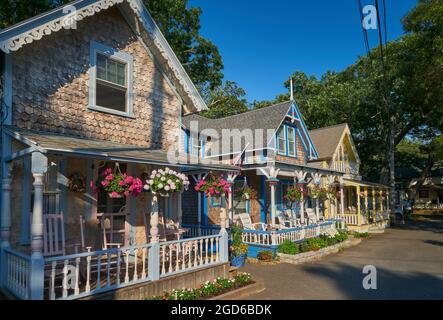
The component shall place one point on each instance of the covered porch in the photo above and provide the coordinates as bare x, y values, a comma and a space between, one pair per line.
365, 204
62, 240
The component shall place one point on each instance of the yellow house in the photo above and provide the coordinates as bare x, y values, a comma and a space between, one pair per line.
363, 205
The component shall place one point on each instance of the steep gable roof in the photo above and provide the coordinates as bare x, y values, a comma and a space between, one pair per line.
267, 118
34, 29
327, 140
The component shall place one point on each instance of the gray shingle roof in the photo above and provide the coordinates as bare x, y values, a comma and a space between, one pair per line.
327, 139
268, 118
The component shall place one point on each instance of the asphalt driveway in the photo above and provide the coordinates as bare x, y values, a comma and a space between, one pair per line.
408, 258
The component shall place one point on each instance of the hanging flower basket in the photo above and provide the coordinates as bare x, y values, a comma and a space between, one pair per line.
214, 186
296, 193
316, 192
166, 182
249, 194
117, 184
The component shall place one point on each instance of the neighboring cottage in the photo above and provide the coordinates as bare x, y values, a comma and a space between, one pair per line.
362, 202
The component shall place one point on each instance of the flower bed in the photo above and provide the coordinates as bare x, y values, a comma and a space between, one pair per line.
312, 244
208, 290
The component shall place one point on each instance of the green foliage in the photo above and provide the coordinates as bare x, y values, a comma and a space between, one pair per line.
265, 255
208, 289
238, 248
225, 100
288, 247
361, 235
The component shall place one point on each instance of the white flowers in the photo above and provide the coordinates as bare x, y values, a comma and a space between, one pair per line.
166, 181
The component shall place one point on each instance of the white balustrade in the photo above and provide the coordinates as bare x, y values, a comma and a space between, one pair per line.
184, 255
17, 277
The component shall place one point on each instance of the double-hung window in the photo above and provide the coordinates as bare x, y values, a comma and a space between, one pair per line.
110, 83
281, 141
292, 151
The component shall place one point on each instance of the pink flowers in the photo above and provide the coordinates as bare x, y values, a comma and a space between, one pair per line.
118, 184
215, 185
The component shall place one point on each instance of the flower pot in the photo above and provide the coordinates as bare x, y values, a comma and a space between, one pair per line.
238, 261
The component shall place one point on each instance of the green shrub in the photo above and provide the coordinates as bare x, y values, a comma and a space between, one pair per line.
288, 247
341, 236
304, 246
316, 244
361, 234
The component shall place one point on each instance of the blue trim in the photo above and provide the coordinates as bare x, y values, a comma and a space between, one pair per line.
280, 203
216, 205
262, 199
205, 210
186, 141
202, 151
305, 130
248, 206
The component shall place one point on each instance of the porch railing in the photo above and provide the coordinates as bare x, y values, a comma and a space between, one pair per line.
17, 275
351, 219
194, 231
275, 238
90, 273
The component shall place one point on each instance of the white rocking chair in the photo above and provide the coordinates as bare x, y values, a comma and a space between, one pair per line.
247, 224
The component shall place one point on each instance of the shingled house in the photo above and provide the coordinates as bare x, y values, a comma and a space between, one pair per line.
364, 204
86, 87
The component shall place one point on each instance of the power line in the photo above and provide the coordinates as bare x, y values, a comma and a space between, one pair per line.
380, 36
365, 33
385, 19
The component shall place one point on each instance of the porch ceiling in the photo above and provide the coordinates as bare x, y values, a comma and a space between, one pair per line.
49, 142
355, 183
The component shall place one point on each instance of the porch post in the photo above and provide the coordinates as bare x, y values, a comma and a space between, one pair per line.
342, 203
374, 201
6, 212
301, 179
317, 182
273, 182
5, 224
358, 206
381, 200
154, 252
179, 208
39, 166
231, 179
366, 200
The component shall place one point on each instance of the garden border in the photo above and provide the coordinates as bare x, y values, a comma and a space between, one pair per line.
310, 256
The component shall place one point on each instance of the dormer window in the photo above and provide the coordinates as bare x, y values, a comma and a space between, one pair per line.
110, 83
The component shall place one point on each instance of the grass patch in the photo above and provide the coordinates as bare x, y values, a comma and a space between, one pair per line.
361, 235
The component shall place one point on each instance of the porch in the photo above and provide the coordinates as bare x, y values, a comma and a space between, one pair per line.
366, 205
61, 240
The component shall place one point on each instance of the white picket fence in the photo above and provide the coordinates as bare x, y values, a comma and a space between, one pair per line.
275, 238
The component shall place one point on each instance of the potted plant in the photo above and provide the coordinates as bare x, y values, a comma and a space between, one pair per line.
214, 186
117, 184
296, 193
166, 182
316, 192
248, 194
239, 250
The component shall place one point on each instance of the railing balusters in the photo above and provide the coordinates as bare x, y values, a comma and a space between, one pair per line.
65, 279
135, 265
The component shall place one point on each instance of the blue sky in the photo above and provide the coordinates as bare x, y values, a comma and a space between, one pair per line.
262, 42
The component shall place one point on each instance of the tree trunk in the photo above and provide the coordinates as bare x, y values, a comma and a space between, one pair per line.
391, 156
423, 176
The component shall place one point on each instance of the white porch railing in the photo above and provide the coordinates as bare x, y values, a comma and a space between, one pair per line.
275, 238
17, 274
185, 255
90, 273
194, 231
351, 219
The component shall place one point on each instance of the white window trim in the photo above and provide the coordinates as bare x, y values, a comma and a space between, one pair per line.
119, 56
281, 152
294, 142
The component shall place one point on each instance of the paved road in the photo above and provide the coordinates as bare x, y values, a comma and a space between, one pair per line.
409, 262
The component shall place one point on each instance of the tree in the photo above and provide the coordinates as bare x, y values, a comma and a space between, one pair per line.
226, 100
179, 24
181, 27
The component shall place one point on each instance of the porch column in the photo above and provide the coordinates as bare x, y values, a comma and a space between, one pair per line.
342, 203
180, 208
358, 206
39, 166
154, 232
301, 179
374, 201
231, 179
381, 200
273, 182
317, 182
154, 252
366, 201
6, 212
